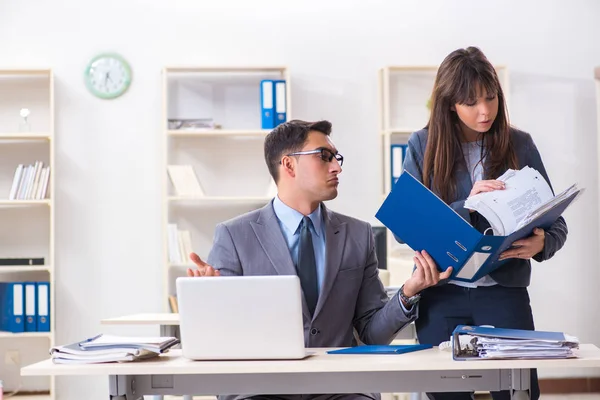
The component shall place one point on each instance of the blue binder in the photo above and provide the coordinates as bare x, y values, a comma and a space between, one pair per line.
267, 103
381, 349
501, 333
43, 306
11, 307
280, 102
397, 157
30, 307
423, 221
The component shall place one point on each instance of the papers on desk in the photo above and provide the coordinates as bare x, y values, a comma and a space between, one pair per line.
469, 342
108, 348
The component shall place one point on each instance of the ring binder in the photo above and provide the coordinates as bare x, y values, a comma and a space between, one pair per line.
412, 212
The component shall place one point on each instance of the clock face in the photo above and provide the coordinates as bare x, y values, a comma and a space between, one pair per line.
108, 76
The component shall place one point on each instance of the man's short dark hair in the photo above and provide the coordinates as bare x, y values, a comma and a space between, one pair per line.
288, 138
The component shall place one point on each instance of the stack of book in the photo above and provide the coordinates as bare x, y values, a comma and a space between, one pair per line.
30, 182
109, 348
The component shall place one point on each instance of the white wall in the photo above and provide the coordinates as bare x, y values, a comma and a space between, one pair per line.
108, 152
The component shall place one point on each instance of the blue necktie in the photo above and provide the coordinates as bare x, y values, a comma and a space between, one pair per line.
307, 266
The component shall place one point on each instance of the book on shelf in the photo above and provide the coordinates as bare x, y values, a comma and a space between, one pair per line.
22, 261
185, 181
25, 307
173, 305
179, 244
30, 182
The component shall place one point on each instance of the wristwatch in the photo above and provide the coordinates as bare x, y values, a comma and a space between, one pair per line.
409, 300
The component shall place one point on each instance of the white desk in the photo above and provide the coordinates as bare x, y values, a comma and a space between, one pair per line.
428, 370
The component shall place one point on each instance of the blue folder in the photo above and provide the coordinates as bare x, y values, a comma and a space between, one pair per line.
267, 103
11, 307
425, 222
280, 102
381, 349
483, 331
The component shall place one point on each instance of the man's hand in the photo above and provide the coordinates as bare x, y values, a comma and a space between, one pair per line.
526, 248
202, 268
425, 275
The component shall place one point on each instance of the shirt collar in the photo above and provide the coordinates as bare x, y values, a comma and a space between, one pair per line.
291, 218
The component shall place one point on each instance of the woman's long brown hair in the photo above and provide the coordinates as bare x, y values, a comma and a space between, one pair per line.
458, 78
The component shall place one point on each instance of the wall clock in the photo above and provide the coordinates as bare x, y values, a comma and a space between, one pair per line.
108, 76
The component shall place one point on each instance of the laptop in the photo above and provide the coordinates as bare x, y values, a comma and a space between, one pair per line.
241, 317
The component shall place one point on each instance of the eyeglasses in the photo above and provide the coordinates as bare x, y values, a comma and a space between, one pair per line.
325, 154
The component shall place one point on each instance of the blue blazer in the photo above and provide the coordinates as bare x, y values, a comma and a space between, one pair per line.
515, 272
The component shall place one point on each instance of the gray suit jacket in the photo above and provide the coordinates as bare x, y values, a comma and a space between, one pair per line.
352, 295
515, 272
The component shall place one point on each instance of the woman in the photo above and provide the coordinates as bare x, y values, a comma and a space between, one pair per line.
466, 145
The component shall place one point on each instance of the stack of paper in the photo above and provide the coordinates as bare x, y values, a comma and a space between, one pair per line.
496, 343
526, 196
524, 348
108, 348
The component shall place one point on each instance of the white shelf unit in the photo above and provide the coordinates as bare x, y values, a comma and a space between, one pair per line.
404, 92
597, 82
27, 229
228, 160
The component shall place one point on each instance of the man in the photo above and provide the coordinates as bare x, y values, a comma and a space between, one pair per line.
334, 255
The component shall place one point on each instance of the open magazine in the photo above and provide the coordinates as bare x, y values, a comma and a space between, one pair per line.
527, 196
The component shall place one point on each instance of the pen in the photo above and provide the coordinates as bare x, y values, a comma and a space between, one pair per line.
92, 338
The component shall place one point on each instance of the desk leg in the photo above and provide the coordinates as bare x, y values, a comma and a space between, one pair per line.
521, 382
122, 387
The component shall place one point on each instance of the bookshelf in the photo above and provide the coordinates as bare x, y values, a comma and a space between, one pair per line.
222, 143
27, 229
404, 92
597, 82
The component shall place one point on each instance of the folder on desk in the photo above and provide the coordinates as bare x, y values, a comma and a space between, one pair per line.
381, 349
11, 307
267, 103
497, 343
425, 222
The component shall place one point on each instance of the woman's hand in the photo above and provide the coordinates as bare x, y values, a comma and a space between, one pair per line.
526, 248
487, 186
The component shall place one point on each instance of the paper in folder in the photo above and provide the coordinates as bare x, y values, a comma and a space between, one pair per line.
496, 343
381, 349
425, 222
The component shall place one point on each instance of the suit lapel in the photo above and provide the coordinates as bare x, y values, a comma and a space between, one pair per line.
335, 239
268, 232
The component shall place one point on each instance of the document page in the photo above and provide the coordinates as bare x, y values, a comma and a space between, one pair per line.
525, 191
